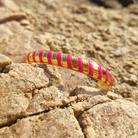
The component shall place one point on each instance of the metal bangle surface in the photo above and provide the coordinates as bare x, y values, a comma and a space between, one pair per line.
90, 68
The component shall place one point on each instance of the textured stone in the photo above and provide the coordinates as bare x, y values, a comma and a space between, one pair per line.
24, 22
32, 91
16, 40
5, 35
45, 99
83, 104
22, 78
19, 92
114, 96
10, 5
13, 106
4, 61
133, 8
58, 123
71, 79
7, 15
115, 119
88, 90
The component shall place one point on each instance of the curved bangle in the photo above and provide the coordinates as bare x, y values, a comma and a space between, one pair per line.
90, 68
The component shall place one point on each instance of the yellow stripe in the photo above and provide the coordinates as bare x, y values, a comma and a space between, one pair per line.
85, 66
37, 57
54, 58
95, 70
74, 63
64, 60
103, 74
31, 57
44, 57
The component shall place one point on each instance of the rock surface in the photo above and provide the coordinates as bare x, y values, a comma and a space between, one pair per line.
111, 120
88, 90
24, 90
37, 90
4, 61
36, 101
58, 123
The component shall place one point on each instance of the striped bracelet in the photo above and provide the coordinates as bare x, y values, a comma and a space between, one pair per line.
90, 68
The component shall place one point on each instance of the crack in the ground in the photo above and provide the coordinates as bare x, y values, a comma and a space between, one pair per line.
63, 106
86, 111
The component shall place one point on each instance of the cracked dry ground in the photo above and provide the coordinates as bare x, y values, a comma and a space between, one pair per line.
44, 101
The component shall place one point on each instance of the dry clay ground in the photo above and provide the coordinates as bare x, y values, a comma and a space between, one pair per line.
30, 94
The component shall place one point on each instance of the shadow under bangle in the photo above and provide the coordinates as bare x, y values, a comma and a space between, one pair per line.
90, 68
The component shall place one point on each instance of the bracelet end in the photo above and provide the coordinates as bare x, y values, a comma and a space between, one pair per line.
103, 85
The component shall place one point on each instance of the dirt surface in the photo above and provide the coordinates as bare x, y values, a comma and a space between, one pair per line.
48, 99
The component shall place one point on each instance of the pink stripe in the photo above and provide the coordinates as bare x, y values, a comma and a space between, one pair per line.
28, 57
111, 80
34, 56
90, 68
107, 75
49, 57
69, 61
80, 64
40, 56
59, 59
100, 72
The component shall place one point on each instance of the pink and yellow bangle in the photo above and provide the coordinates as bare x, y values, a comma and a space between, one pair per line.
90, 68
